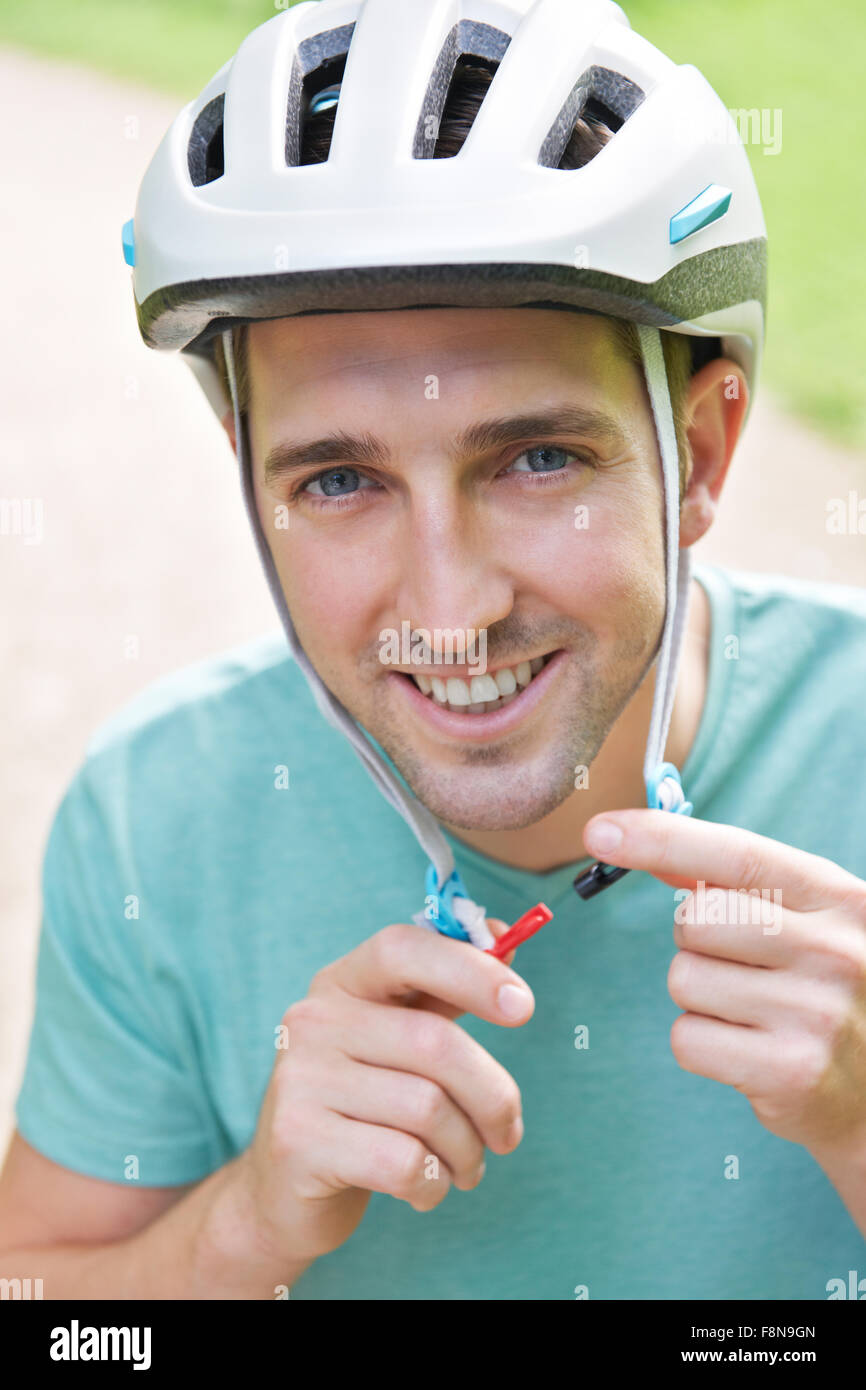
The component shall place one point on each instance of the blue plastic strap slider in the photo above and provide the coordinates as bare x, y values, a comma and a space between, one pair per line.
438, 901
664, 791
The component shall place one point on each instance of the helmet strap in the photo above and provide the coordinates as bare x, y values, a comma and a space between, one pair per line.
677, 562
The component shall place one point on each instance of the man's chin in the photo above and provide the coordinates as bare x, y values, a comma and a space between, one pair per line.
504, 786
470, 800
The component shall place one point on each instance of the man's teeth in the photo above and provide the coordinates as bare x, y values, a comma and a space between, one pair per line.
481, 693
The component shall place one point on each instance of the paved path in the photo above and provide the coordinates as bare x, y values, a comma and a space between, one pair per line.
144, 534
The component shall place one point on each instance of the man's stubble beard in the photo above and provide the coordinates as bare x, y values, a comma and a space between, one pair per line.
494, 787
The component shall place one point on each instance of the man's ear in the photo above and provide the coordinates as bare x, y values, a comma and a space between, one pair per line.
714, 411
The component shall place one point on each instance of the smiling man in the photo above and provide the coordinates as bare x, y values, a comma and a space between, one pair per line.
462, 517
478, 295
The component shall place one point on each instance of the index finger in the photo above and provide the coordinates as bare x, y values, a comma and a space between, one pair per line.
684, 851
410, 965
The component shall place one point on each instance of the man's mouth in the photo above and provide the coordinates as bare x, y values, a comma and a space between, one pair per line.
481, 694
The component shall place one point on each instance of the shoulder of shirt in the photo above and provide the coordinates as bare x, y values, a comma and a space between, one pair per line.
819, 599
214, 688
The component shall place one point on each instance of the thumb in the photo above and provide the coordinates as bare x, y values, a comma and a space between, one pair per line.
432, 1005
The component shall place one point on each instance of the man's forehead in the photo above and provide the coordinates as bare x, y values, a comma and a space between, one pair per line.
279, 349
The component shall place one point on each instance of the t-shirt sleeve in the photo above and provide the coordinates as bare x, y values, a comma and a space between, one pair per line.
104, 1092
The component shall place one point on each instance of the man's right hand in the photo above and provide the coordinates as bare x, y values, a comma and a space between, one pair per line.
379, 1090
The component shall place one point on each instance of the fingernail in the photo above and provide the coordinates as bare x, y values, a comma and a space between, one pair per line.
603, 837
513, 1001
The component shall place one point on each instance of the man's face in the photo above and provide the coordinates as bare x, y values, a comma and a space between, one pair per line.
549, 537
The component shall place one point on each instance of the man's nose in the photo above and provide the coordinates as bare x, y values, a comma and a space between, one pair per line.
453, 573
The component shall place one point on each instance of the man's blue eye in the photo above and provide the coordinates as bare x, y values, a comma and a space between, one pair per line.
545, 458
339, 482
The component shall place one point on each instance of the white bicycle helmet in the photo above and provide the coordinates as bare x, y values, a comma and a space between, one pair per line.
662, 226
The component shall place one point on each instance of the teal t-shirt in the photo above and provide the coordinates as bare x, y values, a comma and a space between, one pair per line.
190, 895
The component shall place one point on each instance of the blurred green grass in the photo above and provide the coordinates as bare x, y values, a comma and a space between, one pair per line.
765, 54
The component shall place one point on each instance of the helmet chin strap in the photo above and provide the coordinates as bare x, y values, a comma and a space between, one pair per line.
677, 562
448, 906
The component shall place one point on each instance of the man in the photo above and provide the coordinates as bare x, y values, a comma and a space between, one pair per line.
251, 1070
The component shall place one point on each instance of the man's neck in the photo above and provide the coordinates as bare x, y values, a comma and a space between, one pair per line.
616, 776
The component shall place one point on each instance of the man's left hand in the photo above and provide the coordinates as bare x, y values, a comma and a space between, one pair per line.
771, 970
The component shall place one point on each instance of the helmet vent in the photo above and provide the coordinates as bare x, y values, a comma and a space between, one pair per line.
314, 91
204, 156
321, 93
468, 60
598, 105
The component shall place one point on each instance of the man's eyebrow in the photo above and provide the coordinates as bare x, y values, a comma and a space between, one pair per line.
566, 419
284, 459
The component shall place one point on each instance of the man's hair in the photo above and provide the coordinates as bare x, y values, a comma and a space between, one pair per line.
683, 354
